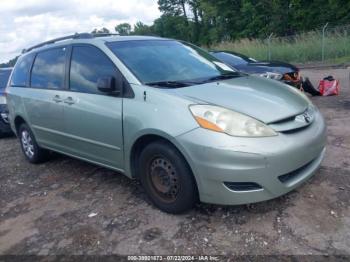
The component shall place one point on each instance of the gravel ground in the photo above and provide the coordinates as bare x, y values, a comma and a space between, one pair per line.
67, 206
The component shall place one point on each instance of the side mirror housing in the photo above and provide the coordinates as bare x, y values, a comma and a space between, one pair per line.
110, 85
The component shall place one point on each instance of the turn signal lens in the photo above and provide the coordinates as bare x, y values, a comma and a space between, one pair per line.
208, 125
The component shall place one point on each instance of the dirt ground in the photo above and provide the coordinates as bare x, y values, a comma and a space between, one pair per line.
67, 206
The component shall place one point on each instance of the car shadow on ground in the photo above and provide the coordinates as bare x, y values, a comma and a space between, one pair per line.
108, 179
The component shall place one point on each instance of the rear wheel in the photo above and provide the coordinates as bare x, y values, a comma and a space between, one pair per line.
30, 148
167, 178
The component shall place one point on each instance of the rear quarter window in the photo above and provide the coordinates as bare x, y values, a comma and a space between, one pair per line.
21, 71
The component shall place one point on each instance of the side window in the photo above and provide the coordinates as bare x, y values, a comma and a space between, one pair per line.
87, 66
21, 70
49, 69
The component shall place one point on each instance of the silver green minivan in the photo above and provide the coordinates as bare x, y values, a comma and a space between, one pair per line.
189, 127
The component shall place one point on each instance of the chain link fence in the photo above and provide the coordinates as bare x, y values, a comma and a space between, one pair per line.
324, 44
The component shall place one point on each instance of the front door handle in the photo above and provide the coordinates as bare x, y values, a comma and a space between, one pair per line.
57, 99
69, 100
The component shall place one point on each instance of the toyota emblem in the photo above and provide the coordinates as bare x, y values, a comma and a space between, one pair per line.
307, 117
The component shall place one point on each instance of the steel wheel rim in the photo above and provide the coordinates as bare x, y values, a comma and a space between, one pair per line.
27, 144
164, 179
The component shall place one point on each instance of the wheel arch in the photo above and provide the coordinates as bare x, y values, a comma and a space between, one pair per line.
145, 139
138, 145
18, 121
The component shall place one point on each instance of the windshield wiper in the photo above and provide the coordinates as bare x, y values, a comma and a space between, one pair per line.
223, 77
184, 83
170, 84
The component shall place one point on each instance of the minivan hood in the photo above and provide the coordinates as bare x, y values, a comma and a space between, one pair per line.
266, 100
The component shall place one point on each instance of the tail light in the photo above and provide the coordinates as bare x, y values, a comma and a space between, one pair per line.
294, 77
287, 77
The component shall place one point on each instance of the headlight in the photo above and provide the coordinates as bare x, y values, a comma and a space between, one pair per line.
230, 122
271, 75
2, 100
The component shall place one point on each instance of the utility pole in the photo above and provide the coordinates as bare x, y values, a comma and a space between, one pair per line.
269, 46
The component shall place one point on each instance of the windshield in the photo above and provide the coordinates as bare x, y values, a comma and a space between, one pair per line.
168, 61
4, 76
231, 59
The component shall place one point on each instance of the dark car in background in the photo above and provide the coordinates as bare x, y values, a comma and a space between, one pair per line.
276, 70
4, 122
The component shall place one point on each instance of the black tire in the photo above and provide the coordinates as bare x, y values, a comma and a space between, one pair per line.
37, 154
167, 178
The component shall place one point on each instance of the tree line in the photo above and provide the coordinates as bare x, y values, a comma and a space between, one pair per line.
206, 22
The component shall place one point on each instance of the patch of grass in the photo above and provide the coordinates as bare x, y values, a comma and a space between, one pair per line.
339, 60
302, 48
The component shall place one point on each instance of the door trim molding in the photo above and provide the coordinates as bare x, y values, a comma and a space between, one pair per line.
76, 137
122, 171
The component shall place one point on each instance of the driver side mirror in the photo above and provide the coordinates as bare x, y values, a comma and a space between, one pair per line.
110, 85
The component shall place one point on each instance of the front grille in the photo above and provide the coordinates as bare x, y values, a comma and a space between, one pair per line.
286, 178
292, 131
242, 186
294, 123
284, 120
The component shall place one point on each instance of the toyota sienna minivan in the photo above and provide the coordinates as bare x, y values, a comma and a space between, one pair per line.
189, 127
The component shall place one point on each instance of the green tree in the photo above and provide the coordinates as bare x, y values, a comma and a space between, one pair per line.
173, 7
176, 9
142, 29
123, 29
10, 63
172, 27
100, 31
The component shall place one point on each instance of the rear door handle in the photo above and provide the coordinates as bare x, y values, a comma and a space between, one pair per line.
57, 99
69, 100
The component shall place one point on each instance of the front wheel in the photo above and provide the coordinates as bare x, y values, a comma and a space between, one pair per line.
33, 153
167, 178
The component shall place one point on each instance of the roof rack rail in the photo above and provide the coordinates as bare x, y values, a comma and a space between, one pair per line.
103, 34
75, 36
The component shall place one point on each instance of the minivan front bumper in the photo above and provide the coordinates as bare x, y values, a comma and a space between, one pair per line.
238, 170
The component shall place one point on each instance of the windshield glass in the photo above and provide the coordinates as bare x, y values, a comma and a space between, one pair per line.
231, 59
155, 61
4, 76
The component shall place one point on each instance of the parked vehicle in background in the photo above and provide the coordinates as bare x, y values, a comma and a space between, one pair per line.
5, 128
276, 70
168, 113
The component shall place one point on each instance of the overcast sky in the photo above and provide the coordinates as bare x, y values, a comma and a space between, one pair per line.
24, 23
